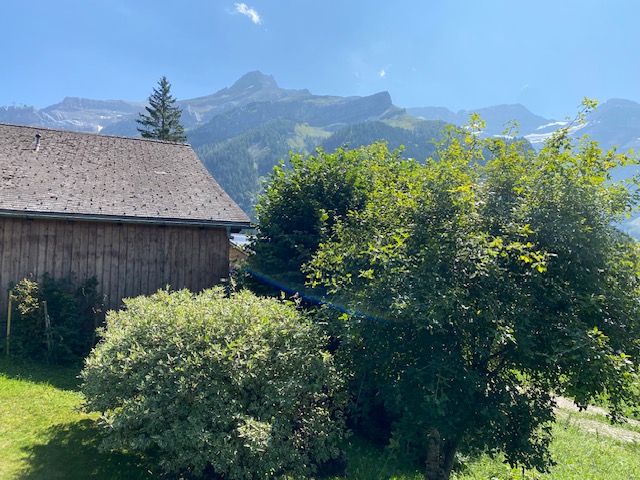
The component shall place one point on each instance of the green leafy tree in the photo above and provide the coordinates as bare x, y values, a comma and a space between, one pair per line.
483, 284
216, 386
304, 201
163, 119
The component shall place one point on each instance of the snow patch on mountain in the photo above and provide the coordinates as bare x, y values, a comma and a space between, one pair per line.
552, 124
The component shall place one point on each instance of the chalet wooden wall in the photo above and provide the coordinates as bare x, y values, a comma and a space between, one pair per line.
127, 259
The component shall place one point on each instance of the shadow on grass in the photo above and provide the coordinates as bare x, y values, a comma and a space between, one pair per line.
62, 377
71, 453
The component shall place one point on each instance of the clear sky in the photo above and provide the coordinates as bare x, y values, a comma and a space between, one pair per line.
459, 54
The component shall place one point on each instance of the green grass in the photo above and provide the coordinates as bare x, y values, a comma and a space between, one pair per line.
303, 133
45, 435
404, 121
580, 456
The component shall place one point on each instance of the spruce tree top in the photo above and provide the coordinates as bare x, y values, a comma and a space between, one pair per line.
163, 119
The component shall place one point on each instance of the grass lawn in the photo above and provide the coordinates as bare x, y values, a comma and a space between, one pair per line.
580, 456
44, 435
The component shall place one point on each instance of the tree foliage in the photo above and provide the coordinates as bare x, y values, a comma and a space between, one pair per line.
414, 141
303, 202
241, 163
53, 319
237, 387
480, 285
162, 121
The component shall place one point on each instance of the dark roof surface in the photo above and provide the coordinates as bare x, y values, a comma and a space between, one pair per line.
110, 178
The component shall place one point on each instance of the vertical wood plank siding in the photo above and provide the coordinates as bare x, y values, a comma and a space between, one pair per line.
126, 259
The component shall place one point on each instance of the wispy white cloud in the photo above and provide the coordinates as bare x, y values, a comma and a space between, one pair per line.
382, 73
251, 13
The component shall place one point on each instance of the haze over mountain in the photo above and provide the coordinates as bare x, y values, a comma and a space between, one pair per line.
242, 131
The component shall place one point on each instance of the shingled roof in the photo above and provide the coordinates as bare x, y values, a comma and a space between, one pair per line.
64, 174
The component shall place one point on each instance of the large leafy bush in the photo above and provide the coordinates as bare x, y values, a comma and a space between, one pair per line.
54, 319
207, 384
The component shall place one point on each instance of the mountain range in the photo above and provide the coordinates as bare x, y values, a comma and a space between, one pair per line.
242, 131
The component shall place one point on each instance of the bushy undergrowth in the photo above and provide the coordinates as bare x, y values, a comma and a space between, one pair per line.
211, 385
61, 332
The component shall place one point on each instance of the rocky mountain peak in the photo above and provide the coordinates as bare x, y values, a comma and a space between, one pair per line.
256, 80
76, 104
619, 102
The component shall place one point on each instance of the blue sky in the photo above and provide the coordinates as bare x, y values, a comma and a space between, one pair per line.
462, 54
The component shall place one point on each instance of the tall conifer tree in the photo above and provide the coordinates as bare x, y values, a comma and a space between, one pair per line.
163, 119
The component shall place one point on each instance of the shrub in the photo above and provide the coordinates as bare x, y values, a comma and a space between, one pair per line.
72, 309
235, 386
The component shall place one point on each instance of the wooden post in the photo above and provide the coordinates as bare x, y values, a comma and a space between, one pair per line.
9, 323
47, 324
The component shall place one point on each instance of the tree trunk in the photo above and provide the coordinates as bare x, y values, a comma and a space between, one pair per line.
432, 466
450, 450
439, 463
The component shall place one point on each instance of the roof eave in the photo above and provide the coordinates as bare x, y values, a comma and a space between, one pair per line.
202, 223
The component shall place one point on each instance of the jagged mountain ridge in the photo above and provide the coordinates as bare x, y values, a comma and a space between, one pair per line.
615, 122
256, 122
254, 87
328, 112
496, 117
118, 116
104, 115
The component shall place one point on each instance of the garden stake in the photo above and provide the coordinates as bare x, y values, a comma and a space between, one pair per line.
47, 324
9, 323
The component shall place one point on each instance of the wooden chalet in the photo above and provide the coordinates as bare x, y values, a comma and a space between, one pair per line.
136, 214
